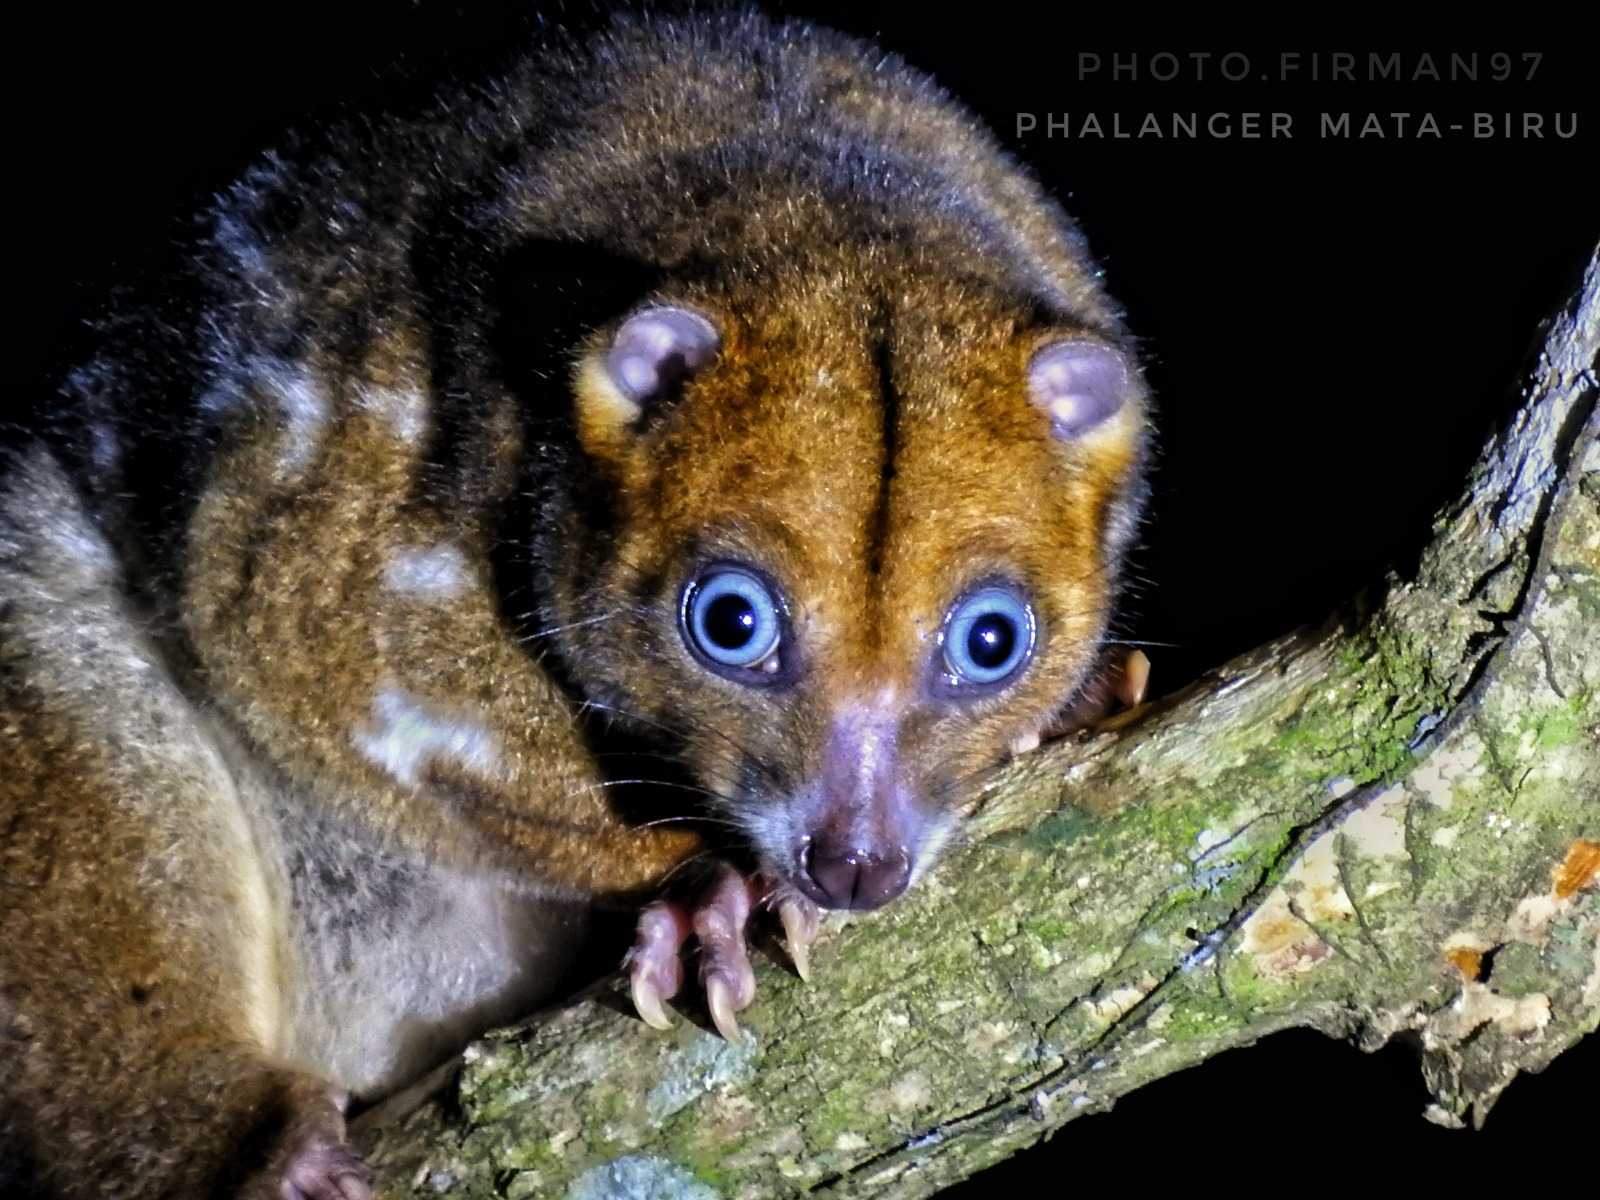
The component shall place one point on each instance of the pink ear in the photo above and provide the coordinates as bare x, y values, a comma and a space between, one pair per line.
656, 349
1080, 384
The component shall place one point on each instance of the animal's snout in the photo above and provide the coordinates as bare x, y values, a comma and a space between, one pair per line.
838, 875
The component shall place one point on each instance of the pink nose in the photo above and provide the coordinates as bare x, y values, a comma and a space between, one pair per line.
850, 877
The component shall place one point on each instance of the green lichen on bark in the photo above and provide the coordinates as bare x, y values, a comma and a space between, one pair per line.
1376, 828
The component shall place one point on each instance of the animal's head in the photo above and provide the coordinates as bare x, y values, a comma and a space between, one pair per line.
864, 535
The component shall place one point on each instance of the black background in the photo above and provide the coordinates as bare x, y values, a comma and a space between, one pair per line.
1333, 327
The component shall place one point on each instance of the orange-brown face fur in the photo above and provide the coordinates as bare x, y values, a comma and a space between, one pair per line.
866, 440
869, 437
415, 462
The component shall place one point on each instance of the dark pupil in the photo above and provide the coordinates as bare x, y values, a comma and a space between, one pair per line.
730, 621
991, 640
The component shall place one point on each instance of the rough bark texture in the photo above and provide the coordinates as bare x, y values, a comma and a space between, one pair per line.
1388, 826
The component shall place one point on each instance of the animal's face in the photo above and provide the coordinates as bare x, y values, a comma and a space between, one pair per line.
865, 541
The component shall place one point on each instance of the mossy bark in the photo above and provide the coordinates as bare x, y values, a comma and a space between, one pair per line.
1390, 825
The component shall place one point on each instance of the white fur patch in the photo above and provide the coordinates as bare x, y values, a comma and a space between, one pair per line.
299, 395
434, 572
304, 402
80, 544
404, 408
406, 733
220, 400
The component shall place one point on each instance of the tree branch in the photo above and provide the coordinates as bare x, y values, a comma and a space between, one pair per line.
1390, 825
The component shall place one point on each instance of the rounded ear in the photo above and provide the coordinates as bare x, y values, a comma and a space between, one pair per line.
1081, 384
646, 362
657, 349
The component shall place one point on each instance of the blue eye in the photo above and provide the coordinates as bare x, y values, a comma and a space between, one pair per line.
730, 617
988, 636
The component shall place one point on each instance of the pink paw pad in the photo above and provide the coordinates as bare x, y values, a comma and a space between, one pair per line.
310, 1159
321, 1170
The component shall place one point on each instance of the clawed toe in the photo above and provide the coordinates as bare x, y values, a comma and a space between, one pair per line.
311, 1160
654, 965
1113, 698
327, 1172
718, 920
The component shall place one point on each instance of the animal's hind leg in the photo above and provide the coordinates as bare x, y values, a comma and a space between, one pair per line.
299, 1151
108, 1091
143, 959
136, 1027
139, 985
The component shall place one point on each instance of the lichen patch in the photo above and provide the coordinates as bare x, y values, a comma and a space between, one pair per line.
1378, 830
989, 1036
892, 1026
911, 1092
1530, 920
1092, 966
1116, 1002
706, 1062
1438, 1114
728, 1116
1314, 884
1591, 985
1479, 1005
1437, 778
1278, 939
639, 1177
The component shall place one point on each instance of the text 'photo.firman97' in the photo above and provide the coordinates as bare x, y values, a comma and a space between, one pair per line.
720, 602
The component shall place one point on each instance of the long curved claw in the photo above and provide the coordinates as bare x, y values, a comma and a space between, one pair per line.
647, 1000
655, 964
799, 931
1026, 744
719, 999
717, 919
719, 922
1135, 680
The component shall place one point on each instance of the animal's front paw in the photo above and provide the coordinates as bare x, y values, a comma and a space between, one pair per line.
310, 1159
1113, 697
717, 919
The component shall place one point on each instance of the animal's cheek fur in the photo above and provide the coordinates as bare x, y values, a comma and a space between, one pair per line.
942, 754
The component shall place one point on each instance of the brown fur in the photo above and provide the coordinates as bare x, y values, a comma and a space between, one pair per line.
302, 607
978, 487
